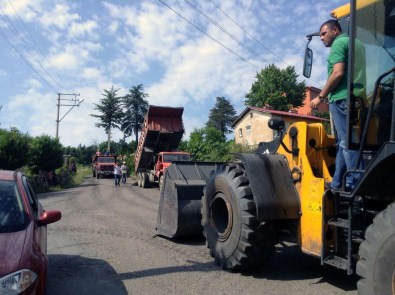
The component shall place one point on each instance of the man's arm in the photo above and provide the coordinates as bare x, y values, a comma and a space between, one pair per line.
331, 84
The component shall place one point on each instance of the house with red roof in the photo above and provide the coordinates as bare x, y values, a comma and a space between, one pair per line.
251, 126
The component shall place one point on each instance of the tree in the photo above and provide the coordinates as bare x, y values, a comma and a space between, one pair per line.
14, 149
208, 144
276, 88
110, 112
135, 109
82, 154
327, 124
222, 116
119, 148
46, 154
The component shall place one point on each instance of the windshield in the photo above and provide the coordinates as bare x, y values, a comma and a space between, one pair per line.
375, 30
106, 160
12, 212
168, 158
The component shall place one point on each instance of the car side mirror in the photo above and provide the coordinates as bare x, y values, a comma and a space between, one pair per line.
49, 217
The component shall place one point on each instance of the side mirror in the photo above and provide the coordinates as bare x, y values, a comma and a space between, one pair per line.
308, 56
308, 62
49, 217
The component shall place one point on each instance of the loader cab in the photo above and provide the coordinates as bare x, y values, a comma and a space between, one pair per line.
371, 116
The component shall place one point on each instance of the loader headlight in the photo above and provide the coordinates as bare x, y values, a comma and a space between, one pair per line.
17, 282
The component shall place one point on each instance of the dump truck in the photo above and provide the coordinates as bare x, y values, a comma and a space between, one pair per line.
161, 135
278, 193
103, 165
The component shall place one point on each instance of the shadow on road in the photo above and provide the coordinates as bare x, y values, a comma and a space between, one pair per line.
73, 274
66, 191
194, 267
193, 241
85, 184
289, 263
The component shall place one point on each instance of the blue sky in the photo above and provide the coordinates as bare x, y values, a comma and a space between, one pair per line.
185, 53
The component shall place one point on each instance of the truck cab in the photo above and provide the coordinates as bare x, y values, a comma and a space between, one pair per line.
103, 165
164, 160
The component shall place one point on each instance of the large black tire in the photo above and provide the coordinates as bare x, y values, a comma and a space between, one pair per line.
376, 265
139, 179
236, 239
145, 183
161, 180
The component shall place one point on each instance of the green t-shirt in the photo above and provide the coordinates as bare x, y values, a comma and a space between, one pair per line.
339, 53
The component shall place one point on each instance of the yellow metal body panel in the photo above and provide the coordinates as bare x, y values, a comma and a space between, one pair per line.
312, 165
344, 10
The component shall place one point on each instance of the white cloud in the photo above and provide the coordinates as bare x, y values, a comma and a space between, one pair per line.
58, 17
64, 60
82, 29
114, 26
33, 83
26, 8
91, 73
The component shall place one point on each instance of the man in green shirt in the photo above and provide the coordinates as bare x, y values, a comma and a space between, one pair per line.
335, 90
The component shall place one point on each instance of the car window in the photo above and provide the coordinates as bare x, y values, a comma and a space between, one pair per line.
175, 157
12, 213
33, 202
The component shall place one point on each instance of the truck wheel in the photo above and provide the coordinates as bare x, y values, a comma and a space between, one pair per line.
145, 183
97, 175
161, 179
139, 179
376, 265
236, 239
93, 173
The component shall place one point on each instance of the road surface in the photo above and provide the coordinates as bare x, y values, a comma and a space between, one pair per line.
105, 243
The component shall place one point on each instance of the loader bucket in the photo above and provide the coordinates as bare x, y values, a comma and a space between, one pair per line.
180, 198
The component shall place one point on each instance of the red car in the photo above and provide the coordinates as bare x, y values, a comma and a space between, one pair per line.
23, 236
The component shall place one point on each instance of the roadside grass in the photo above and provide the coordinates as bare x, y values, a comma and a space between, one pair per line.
64, 180
77, 178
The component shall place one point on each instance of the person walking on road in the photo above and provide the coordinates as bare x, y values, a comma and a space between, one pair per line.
117, 174
124, 170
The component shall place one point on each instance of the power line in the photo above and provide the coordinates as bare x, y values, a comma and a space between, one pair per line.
25, 60
245, 31
28, 50
227, 33
212, 38
42, 54
256, 40
266, 61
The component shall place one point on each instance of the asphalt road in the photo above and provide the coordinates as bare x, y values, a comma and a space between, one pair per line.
106, 244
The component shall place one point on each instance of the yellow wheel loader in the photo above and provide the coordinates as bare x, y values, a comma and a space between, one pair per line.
279, 192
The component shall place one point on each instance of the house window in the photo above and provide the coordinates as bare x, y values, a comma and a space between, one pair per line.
240, 132
248, 130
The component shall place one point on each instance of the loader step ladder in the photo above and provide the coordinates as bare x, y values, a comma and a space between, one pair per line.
337, 262
339, 222
342, 226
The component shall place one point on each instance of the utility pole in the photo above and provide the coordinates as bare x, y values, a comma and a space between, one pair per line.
71, 102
